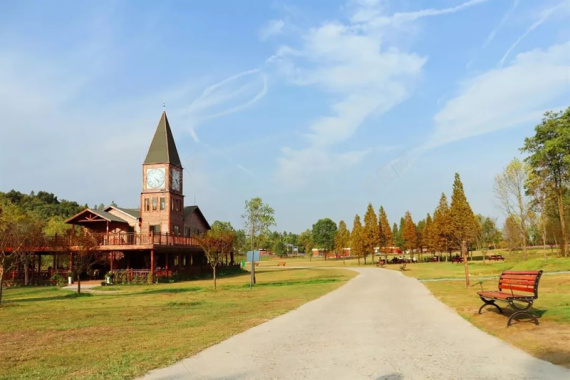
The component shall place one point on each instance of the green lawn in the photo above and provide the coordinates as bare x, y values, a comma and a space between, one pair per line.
548, 341
425, 271
52, 333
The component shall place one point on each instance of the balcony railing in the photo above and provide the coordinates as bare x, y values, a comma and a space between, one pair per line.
129, 238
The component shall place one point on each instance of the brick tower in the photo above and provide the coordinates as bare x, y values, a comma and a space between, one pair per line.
162, 199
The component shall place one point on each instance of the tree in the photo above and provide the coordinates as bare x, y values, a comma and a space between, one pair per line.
323, 234
279, 248
428, 234
82, 246
488, 234
510, 190
342, 238
306, 241
216, 244
409, 233
370, 233
11, 240
549, 156
464, 227
384, 229
511, 233
356, 247
258, 217
441, 225
397, 236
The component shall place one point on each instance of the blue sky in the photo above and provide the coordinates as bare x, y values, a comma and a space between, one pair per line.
317, 107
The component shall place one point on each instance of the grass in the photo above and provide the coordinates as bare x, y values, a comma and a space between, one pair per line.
548, 341
52, 333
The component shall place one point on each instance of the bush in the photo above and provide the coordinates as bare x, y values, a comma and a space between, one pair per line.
58, 280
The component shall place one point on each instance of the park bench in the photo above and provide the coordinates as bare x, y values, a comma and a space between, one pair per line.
257, 263
457, 259
525, 283
281, 264
497, 257
381, 263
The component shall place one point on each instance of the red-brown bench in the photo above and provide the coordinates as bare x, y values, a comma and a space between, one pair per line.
281, 264
524, 283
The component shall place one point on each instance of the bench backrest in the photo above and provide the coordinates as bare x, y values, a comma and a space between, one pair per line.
520, 281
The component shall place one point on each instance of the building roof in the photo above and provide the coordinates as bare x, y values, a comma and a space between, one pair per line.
102, 216
134, 212
188, 210
163, 149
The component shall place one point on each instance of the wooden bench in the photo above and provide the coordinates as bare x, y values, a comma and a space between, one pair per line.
257, 263
281, 264
525, 283
497, 257
457, 259
381, 263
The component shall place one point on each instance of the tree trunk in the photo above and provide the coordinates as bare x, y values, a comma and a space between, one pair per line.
214, 270
78, 283
564, 242
1, 283
464, 254
26, 270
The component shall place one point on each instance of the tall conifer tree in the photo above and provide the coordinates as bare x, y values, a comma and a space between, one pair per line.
385, 231
356, 248
409, 233
370, 232
464, 226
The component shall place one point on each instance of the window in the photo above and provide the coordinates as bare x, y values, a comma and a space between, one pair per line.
155, 229
162, 203
146, 204
177, 230
154, 203
187, 231
177, 205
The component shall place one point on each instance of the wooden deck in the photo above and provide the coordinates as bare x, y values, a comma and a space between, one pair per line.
123, 241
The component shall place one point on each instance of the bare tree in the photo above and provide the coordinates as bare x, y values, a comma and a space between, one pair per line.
510, 190
82, 247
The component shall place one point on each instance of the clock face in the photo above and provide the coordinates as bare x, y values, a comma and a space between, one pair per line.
176, 180
155, 178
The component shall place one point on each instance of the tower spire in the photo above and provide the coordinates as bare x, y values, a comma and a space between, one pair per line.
163, 148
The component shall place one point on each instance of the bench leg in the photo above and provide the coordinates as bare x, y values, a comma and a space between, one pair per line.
490, 302
521, 311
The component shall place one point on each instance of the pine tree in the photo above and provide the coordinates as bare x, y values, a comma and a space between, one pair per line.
396, 236
428, 234
370, 232
342, 238
464, 226
385, 231
356, 248
409, 233
441, 225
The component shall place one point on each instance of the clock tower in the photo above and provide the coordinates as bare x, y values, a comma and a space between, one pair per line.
162, 199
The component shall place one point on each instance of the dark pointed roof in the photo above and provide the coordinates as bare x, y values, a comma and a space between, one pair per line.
163, 149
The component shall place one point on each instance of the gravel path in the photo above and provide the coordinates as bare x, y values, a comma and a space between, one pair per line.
380, 325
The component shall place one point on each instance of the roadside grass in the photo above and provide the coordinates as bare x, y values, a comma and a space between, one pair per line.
128, 330
548, 258
548, 341
426, 271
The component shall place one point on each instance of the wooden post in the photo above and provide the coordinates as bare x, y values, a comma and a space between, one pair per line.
166, 264
39, 263
152, 263
112, 259
54, 261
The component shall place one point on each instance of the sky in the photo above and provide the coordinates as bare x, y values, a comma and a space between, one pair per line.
317, 107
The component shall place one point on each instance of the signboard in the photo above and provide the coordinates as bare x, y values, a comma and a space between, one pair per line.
252, 256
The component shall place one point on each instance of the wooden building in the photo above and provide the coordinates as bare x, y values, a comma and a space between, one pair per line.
155, 239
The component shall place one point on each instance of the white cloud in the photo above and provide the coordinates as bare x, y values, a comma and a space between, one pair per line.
504, 19
544, 15
272, 28
228, 96
505, 97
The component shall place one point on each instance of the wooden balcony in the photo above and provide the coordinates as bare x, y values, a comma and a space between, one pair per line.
121, 241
